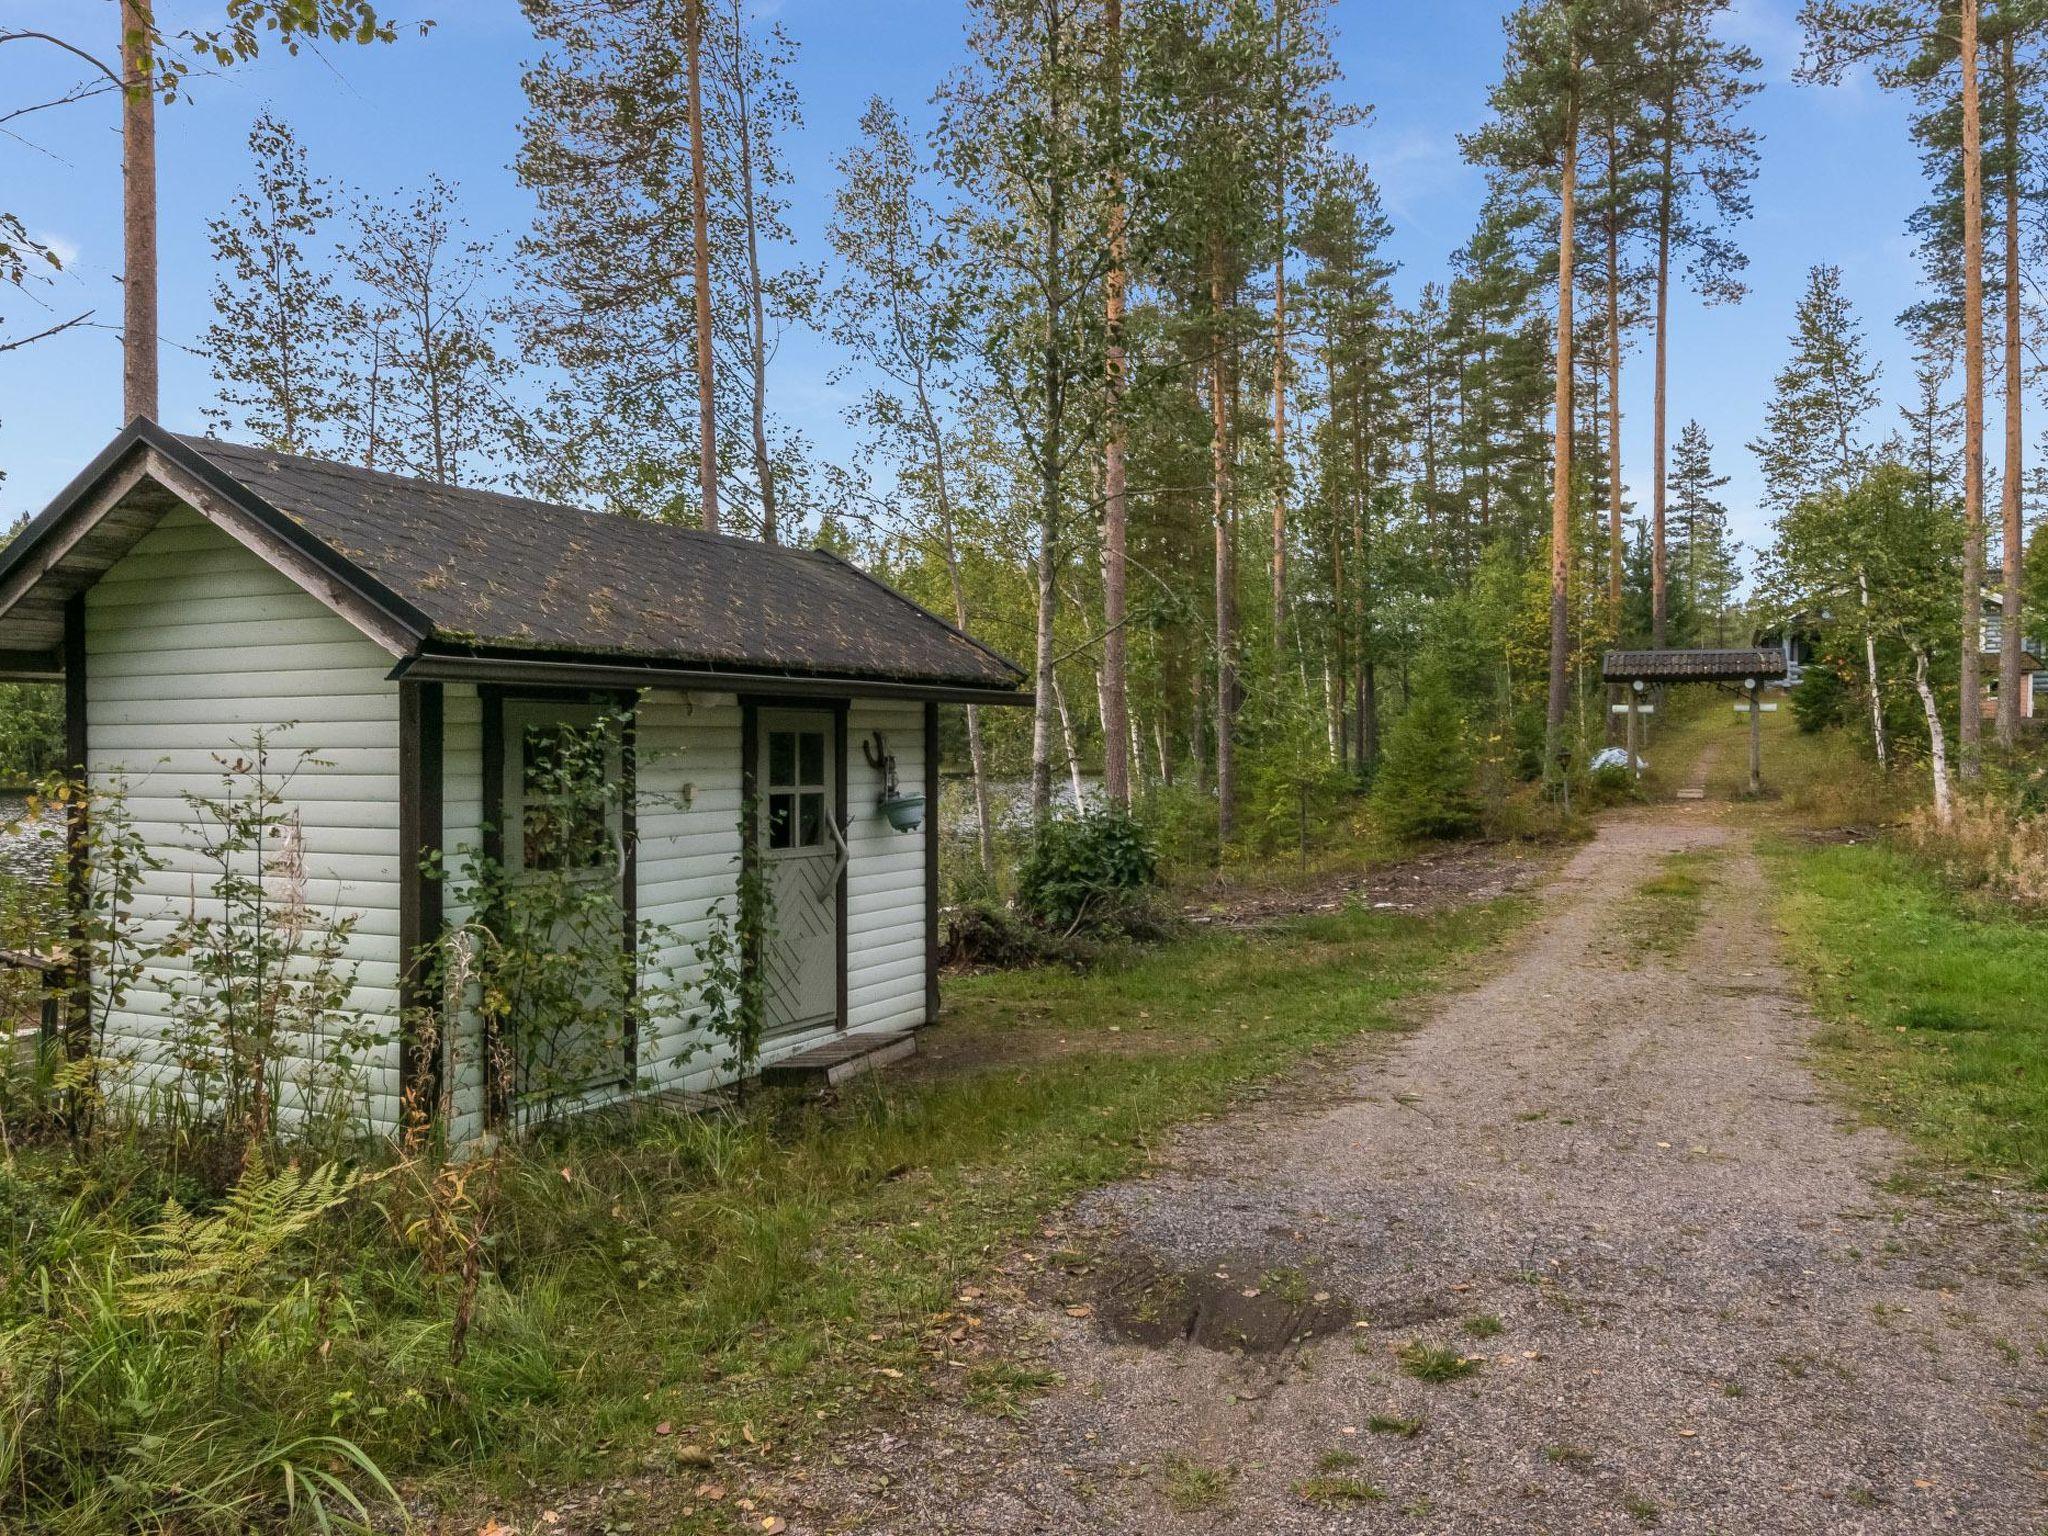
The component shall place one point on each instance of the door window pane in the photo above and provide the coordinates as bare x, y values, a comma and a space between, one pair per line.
781, 757
811, 823
813, 758
779, 829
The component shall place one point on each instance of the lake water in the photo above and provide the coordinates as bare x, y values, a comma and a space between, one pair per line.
24, 852
1009, 802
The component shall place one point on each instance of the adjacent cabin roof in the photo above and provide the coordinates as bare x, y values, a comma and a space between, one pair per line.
1691, 666
449, 571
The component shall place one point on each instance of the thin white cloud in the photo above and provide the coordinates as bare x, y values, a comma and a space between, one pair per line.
1416, 170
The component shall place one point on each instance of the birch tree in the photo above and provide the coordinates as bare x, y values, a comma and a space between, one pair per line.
898, 309
1019, 135
279, 315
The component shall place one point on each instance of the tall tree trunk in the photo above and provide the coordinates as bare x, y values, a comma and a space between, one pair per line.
1051, 465
1069, 744
1659, 390
1613, 222
1971, 724
1226, 601
1280, 424
1561, 466
1280, 340
2013, 628
1116, 730
138, 215
700, 225
757, 341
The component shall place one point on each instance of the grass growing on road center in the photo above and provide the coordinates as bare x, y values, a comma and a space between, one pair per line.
1938, 1003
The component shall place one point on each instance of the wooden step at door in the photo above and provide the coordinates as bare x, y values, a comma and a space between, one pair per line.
835, 1060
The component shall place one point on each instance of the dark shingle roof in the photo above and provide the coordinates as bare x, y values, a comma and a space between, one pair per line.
496, 570
1691, 666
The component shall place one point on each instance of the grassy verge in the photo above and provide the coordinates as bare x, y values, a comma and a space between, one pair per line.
1937, 1004
730, 1284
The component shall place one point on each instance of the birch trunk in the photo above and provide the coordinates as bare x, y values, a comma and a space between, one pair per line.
1226, 603
1117, 760
1870, 669
1937, 737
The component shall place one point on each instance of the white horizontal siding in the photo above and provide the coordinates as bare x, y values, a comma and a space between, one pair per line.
885, 895
688, 859
462, 831
192, 643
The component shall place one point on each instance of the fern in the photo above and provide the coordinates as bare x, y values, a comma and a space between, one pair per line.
216, 1265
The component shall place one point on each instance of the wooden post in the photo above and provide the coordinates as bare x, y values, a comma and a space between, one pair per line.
1633, 768
1756, 740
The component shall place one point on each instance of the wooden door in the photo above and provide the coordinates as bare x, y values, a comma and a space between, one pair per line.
803, 855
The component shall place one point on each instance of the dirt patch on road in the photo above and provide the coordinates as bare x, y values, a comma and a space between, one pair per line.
1455, 876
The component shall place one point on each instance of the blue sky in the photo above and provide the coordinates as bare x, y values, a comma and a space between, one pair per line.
1838, 180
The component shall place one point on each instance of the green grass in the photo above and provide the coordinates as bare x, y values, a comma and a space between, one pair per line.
1664, 912
733, 1283
1434, 1362
1937, 1003
1192, 1485
1326, 1488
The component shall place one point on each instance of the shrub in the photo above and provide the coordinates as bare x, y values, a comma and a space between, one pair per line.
1080, 869
1424, 784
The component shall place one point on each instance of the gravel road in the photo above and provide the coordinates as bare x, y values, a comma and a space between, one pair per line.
1684, 1291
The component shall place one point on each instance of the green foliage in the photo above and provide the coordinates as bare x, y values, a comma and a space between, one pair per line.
1824, 701
31, 730
1424, 786
732, 984
1082, 868
261, 1025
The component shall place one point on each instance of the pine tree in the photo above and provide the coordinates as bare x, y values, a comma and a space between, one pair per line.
1703, 554
1816, 424
1424, 784
279, 319
1814, 441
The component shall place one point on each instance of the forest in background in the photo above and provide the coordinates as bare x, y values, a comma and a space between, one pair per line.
1137, 404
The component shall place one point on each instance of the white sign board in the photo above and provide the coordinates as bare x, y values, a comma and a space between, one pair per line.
1641, 709
1769, 709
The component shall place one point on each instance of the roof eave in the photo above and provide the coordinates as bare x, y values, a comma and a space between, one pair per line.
601, 672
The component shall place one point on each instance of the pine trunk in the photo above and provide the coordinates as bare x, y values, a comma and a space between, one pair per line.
700, 225
1561, 469
1971, 725
138, 216
2012, 630
757, 341
1613, 223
